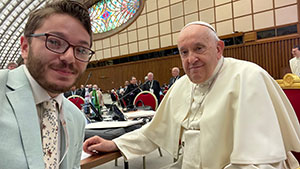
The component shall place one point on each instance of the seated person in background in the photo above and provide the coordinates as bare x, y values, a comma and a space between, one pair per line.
223, 114
89, 87
12, 65
81, 91
113, 95
131, 91
97, 98
126, 84
153, 86
71, 92
39, 127
121, 91
175, 76
295, 61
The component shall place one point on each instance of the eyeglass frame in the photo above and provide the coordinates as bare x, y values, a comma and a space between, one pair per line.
69, 45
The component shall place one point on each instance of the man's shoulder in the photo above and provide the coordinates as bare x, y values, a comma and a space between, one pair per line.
292, 60
241, 65
240, 69
3, 74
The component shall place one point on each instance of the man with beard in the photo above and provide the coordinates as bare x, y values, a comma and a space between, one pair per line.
223, 114
44, 129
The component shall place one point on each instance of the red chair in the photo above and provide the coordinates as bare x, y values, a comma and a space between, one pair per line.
291, 87
77, 100
147, 98
294, 97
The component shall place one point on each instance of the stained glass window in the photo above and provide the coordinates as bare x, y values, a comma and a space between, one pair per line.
107, 15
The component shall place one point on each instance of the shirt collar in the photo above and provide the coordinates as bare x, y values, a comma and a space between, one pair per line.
39, 93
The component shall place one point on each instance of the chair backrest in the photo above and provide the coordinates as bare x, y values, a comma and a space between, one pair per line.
294, 96
147, 98
77, 100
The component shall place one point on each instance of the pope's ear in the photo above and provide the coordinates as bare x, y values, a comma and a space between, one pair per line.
24, 48
220, 47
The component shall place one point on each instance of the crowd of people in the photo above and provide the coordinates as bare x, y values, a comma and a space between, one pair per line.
94, 94
126, 95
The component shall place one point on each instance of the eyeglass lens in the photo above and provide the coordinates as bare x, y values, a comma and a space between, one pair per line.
60, 46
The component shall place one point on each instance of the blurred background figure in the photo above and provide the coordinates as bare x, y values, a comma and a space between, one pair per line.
153, 86
12, 65
175, 76
96, 98
71, 92
132, 90
81, 91
295, 61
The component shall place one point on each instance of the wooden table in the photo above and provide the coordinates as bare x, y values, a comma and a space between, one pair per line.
97, 160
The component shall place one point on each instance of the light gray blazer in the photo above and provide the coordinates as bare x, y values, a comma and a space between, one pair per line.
20, 138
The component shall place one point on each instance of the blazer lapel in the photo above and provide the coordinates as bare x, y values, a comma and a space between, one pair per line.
22, 102
65, 141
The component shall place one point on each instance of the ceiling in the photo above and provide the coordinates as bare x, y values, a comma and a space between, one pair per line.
13, 16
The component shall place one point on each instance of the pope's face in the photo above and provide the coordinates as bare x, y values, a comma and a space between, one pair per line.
56, 73
199, 51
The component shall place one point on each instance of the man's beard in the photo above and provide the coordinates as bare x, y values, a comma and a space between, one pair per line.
37, 70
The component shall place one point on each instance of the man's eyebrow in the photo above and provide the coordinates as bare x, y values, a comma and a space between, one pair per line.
84, 42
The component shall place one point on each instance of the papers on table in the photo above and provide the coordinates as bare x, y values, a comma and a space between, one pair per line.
112, 124
84, 155
140, 113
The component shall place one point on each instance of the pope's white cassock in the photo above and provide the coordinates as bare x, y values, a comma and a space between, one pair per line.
238, 119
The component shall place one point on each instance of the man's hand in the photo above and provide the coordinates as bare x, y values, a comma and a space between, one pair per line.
97, 144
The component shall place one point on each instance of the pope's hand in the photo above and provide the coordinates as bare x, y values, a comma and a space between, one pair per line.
97, 144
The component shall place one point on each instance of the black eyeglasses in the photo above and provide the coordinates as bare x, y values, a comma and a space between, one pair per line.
59, 45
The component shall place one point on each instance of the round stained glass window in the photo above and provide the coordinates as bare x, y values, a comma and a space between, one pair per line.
108, 17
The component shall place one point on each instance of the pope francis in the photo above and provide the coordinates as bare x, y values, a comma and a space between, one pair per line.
223, 114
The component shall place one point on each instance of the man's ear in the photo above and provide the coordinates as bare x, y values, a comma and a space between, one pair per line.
220, 48
24, 48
